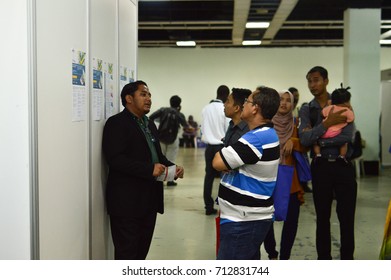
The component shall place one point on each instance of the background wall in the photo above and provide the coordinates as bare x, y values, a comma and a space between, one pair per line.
71, 167
52, 204
14, 127
194, 74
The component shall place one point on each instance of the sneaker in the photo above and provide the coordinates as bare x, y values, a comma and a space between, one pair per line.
209, 212
171, 184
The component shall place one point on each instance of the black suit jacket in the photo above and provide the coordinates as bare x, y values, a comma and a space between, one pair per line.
131, 189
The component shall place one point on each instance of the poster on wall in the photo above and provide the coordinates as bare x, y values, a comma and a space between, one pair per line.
131, 76
78, 86
109, 90
97, 88
123, 77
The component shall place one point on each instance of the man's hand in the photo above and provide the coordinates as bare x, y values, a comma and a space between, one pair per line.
335, 118
158, 169
179, 172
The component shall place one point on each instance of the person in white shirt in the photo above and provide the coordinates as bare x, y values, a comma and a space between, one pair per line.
213, 128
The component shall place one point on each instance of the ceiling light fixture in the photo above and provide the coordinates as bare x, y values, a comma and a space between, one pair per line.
185, 43
252, 43
257, 24
385, 42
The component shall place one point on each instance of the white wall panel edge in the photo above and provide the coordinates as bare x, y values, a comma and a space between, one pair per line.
15, 207
33, 128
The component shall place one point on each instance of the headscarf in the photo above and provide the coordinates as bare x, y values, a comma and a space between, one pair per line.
283, 124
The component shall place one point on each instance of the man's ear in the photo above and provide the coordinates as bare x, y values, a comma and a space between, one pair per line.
238, 108
129, 98
256, 109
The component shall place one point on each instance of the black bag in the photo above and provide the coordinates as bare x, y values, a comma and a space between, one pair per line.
357, 146
168, 126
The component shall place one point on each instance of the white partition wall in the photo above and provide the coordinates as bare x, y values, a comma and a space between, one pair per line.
113, 40
71, 167
62, 143
103, 46
14, 126
53, 182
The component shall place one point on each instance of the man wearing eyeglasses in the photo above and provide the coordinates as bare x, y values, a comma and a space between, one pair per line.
249, 180
134, 157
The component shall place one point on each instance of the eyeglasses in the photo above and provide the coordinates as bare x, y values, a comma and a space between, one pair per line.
249, 101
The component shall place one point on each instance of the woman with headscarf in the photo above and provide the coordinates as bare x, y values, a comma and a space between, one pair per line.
286, 127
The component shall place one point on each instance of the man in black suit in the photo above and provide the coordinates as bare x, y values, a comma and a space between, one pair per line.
133, 195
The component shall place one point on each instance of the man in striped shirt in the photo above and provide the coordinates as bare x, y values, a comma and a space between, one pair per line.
246, 188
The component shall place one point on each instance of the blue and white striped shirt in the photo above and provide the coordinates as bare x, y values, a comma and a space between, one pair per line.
245, 192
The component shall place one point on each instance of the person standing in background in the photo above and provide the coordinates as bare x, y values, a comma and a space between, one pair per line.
332, 178
133, 195
170, 119
296, 109
190, 133
296, 97
233, 108
214, 126
286, 127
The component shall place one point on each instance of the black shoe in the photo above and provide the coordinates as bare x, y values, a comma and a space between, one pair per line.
171, 184
306, 188
209, 212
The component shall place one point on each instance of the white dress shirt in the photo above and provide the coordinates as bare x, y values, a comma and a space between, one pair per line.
214, 123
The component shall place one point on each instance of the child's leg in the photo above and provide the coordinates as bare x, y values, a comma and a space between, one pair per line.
343, 151
317, 150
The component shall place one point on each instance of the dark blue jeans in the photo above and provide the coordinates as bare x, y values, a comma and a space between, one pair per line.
242, 240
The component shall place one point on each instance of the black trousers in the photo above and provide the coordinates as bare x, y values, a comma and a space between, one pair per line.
334, 179
210, 174
288, 234
132, 236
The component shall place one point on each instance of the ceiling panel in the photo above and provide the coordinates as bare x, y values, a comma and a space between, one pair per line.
211, 23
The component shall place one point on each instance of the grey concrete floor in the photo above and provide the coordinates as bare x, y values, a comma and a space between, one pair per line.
184, 232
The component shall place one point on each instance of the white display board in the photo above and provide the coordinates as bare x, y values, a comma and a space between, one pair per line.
14, 127
73, 222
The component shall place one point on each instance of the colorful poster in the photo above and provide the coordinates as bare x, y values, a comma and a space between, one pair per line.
78, 86
97, 89
109, 91
123, 76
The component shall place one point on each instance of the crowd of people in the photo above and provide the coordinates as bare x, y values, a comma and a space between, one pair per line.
248, 134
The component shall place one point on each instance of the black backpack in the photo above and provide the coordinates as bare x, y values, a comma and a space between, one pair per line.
168, 126
356, 145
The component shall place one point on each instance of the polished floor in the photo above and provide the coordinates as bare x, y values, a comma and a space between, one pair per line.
184, 232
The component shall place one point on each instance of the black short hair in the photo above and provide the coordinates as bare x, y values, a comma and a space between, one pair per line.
322, 71
222, 92
292, 90
340, 95
239, 94
268, 100
175, 101
130, 89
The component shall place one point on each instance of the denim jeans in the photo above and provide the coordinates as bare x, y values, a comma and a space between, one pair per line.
242, 240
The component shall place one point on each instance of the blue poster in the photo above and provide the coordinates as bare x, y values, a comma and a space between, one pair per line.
78, 74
